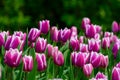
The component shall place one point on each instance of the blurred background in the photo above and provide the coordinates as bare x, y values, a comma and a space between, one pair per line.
23, 14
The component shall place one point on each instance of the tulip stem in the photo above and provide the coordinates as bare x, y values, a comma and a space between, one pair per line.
13, 74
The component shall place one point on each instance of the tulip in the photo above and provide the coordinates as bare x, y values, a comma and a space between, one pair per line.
97, 36
74, 57
115, 49
27, 63
54, 34
73, 31
12, 42
2, 37
115, 27
98, 28
108, 34
90, 31
74, 43
85, 21
64, 35
94, 45
116, 73
44, 26
118, 65
87, 69
58, 58
113, 39
100, 76
41, 62
83, 47
95, 59
41, 44
81, 39
33, 34
104, 61
105, 42
81, 59
12, 57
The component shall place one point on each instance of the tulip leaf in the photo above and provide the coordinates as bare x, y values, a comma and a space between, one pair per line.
32, 74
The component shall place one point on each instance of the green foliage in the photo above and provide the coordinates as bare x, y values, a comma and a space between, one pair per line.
20, 14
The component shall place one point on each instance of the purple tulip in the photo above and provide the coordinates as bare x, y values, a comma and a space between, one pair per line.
41, 45
85, 21
41, 61
58, 58
90, 31
115, 49
83, 47
54, 34
87, 69
94, 45
95, 59
108, 34
49, 49
74, 43
44, 26
27, 63
113, 39
2, 37
64, 35
100, 76
81, 59
12, 42
115, 27
73, 31
97, 36
105, 42
104, 61
81, 39
12, 57
98, 28
33, 34
116, 73
74, 57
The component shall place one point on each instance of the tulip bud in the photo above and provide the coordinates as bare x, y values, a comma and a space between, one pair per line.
105, 42
12, 57
90, 31
49, 49
113, 39
115, 27
58, 58
115, 49
33, 34
41, 44
100, 76
104, 61
94, 45
54, 34
108, 34
64, 35
81, 59
74, 58
27, 63
116, 73
95, 59
81, 39
87, 69
41, 62
74, 43
98, 28
83, 47
85, 21
73, 31
44, 26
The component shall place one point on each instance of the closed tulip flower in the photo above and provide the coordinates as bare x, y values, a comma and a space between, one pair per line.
95, 59
81, 39
74, 43
87, 69
85, 21
27, 63
12, 57
105, 42
54, 34
74, 57
83, 47
115, 49
33, 34
90, 31
64, 35
41, 61
104, 61
94, 45
40, 45
100, 76
108, 34
115, 27
58, 58
44, 26
116, 73
73, 31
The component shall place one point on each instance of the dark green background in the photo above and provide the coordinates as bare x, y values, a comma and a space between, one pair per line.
20, 14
